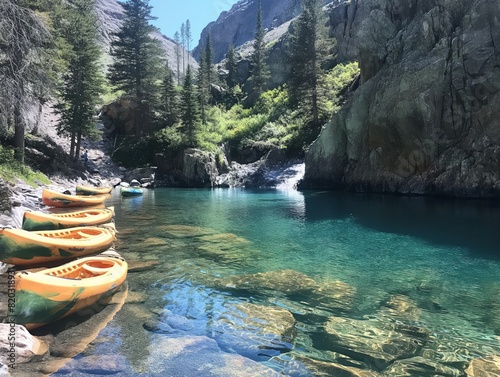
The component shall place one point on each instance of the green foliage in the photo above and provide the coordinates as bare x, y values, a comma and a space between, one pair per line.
336, 81
11, 170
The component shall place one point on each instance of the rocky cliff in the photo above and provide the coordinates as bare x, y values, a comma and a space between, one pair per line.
111, 15
425, 119
238, 24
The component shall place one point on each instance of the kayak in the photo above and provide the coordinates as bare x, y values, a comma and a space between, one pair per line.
131, 191
57, 199
46, 296
36, 220
85, 190
21, 247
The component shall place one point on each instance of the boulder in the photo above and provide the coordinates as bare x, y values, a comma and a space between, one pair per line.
199, 168
18, 346
484, 367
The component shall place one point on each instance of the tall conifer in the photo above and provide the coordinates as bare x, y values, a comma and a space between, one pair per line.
259, 72
306, 54
178, 56
83, 79
168, 98
189, 109
137, 61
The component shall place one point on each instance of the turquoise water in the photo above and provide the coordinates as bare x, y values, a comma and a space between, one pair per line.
303, 284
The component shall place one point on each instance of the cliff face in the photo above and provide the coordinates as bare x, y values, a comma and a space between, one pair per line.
238, 24
425, 118
111, 15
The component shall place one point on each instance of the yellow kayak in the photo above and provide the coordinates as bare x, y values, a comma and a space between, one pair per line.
36, 220
46, 296
85, 190
58, 199
21, 247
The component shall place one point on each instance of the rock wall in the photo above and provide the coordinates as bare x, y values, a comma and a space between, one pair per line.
425, 119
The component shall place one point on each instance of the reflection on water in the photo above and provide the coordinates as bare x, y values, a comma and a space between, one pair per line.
234, 282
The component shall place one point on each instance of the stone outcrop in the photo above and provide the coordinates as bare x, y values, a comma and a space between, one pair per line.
425, 118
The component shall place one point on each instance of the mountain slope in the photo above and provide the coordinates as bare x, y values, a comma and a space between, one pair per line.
238, 24
111, 15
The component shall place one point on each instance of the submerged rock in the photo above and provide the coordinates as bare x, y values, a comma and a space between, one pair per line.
181, 231
484, 367
376, 343
200, 355
419, 366
255, 330
328, 369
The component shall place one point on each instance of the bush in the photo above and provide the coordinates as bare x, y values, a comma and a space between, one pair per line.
11, 170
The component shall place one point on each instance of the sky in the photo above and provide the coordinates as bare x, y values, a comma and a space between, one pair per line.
172, 13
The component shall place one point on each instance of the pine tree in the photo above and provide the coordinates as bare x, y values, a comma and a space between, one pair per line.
205, 77
189, 38
137, 61
203, 87
183, 44
189, 108
169, 110
178, 56
231, 67
209, 60
306, 54
259, 71
82, 81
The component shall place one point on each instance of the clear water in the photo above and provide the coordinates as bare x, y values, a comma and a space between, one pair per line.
366, 281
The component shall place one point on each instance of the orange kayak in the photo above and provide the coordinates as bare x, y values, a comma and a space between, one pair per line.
46, 296
58, 199
36, 220
85, 190
21, 247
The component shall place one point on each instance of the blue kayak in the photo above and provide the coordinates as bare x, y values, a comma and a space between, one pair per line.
131, 191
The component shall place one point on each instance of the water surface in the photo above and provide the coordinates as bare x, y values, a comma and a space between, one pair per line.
303, 284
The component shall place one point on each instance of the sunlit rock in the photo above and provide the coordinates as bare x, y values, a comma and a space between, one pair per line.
200, 355
286, 281
327, 369
96, 364
334, 294
377, 343
402, 308
485, 367
182, 231
153, 241
4, 370
140, 266
225, 246
255, 330
27, 347
419, 366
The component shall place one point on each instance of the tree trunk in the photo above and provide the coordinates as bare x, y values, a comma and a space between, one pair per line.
18, 132
78, 143
72, 155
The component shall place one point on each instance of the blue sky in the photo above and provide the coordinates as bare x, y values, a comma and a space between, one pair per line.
171, 14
